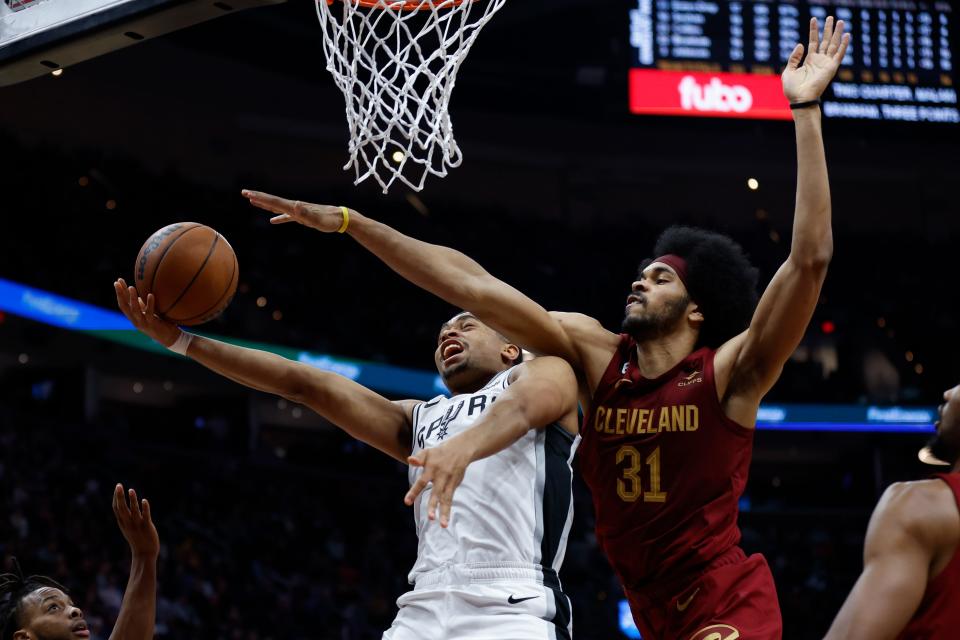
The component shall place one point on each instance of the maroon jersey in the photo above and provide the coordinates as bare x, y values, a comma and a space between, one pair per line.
666, 468
938, 617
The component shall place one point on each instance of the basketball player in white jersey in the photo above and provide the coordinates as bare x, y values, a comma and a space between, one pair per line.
489, 570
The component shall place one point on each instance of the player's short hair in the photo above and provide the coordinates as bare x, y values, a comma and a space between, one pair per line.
720, 279
14, 587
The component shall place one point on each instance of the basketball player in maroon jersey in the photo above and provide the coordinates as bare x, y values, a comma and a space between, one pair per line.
670, 403
910, 585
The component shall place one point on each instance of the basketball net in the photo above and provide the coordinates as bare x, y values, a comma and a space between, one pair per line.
396, 62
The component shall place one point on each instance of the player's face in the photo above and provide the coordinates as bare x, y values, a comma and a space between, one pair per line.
468, 352
657, 302
49, 614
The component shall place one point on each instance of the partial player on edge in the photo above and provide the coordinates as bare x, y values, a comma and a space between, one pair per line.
910, 585
38, 608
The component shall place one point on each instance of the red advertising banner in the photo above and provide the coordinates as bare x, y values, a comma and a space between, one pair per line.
695, 93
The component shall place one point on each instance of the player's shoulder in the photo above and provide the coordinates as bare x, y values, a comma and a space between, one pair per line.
545, 365
575, 321
580, 326
420, 405
925, 508
918, 495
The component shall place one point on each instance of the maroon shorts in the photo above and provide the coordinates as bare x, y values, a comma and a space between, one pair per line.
734, 599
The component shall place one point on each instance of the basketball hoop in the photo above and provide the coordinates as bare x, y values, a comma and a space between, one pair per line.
396, 62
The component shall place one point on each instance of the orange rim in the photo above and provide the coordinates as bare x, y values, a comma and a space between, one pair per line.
407, 5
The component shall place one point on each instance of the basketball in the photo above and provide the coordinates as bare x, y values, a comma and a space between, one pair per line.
190, 269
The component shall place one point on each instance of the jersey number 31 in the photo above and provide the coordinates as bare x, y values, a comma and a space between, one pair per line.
628, 486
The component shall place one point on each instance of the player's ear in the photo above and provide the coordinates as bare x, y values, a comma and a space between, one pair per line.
22, 634
510, 353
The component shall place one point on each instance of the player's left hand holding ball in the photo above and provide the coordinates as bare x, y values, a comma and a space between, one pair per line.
808, 82
143, 315
444, 466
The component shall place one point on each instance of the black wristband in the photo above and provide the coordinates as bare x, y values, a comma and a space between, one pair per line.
805, 105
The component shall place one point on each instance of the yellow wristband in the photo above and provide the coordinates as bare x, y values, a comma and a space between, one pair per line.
346, 220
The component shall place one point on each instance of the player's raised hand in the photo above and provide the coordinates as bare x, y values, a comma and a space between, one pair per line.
143, 314
322, 217
808, 82
444, 466
135, 523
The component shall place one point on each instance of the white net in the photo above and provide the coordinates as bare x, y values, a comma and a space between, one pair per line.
396, 62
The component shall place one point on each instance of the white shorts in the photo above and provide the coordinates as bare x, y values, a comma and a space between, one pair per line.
483, 602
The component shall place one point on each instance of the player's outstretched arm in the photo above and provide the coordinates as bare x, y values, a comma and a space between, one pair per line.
361, 412
542, 392
901, 546
446, 273
138, 612
755, 359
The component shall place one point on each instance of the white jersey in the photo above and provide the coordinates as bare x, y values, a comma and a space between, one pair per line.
513, 508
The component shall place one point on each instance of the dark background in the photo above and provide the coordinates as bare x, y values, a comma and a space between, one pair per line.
274, 524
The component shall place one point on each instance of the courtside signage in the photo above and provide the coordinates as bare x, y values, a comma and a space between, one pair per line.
74, 315
691, 93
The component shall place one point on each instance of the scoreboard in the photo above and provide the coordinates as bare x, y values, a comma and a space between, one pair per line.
723, 59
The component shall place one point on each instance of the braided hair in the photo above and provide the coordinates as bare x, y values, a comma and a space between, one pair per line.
14, 587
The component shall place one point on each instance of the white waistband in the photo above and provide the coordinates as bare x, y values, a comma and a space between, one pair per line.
471, 573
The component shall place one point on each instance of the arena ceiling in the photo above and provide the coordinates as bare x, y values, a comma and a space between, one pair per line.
539, 109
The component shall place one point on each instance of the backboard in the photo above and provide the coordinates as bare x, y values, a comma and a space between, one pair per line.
41, 36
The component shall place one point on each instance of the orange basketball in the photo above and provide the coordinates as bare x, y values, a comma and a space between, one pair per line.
190, 269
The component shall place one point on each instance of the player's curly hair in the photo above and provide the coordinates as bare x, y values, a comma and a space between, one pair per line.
720, 279
14, 587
